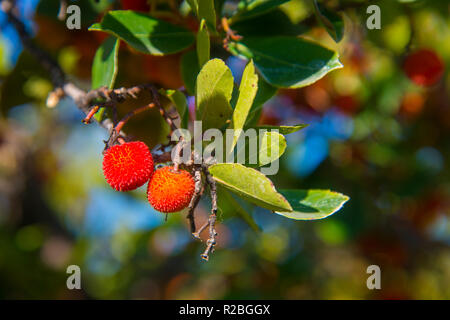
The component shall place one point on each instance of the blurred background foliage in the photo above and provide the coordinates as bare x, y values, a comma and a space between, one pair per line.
373, 135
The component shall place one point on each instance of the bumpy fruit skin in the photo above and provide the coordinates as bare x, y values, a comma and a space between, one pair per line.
137, 5
424, 67
127, 166
170, 191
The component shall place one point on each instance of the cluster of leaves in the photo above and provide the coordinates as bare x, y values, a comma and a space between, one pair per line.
279, 61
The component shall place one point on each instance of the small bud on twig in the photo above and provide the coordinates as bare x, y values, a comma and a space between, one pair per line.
54, 97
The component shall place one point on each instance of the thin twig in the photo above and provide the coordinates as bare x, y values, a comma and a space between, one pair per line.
162, 111
130, 114
211, 242
118, 128
230, 33
91, 113
200, 230
62, 10
213, 190
198, 191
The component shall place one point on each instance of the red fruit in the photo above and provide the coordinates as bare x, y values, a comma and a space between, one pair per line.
138, 5
127, 166
424, 67
169, 190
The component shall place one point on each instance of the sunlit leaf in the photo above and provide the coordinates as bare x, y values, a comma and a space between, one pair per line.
145, 33
206, 11
264, 94
203, 45
283, 129
250, 184
104, 67
194, 6
312, 204
247, 93
213, 93
270, 147
289, 62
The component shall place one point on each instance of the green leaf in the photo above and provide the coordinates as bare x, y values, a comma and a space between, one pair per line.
145, 33
331, 21
250, 184
194, 6
247, 93
264, 94
253, 117
289, 62
218, 5
229, 205
213, 93
312, 204
283, 129
180, 102
104, 67
189, 70
271, 146
203, 45
256, 8
206, 11
271, 24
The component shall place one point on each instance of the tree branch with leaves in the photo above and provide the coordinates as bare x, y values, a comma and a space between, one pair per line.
273, 62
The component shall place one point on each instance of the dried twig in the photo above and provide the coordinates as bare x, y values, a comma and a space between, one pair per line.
211, 242
199, 188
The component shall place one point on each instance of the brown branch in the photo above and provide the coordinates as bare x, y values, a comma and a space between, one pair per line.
162, 111
91, 113
211, 242
213, 190
200, 230
195, 199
